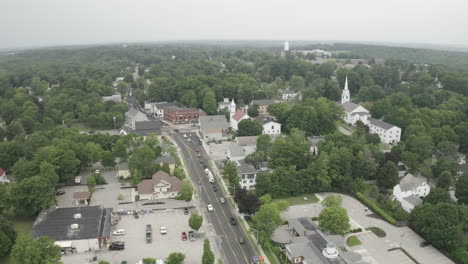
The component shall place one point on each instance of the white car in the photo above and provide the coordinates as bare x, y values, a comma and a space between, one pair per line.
210, 208
78, 179
97, 171
119, 232
163, 230
211, 180
185, 136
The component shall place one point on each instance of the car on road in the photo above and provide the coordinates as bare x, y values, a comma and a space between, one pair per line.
199, 155
184, 236
135, 214
199, 143
191, 235
176, 130
197, 150
215, 189
424, 244
241, 240
201, 161
163, 230
119, 232
186, 211
211, 180
185, 135
210, 208
222, 200
60, 193
233, 221
117, 245
91, 132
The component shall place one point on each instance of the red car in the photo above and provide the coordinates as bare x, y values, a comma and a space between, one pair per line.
184, 236
196, 150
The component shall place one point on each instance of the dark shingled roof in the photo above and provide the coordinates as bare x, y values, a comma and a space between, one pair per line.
55, 223
380, 123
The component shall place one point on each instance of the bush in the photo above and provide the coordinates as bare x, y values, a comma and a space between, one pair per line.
315, 218
353, 241
375, 208
377, 231
357, 230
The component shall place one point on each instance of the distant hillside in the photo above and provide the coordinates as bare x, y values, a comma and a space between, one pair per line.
451, 59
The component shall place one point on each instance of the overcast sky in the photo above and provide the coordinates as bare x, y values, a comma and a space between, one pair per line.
30, 23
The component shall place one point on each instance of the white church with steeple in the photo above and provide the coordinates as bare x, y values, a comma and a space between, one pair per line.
388, 133
228, 105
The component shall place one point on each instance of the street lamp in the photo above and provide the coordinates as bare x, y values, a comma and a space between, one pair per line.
256, 231
114, 121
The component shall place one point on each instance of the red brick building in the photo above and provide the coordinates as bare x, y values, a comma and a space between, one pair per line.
180, 115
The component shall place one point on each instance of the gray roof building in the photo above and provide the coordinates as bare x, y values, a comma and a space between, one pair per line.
349, 106
236, 151
56, 223
265, 119
380, 123
215, 122
144, 128
413, 200
411, 182
263, 102
247, 140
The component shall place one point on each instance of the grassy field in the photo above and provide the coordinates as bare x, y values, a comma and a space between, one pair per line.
353, 241
297, 200
22, 226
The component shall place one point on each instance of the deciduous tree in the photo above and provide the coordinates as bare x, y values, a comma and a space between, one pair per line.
335, 220
208, 255
36, 251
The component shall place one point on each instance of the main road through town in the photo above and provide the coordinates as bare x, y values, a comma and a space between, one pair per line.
227, 235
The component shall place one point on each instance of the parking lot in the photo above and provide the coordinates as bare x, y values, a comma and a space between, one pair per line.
136, 247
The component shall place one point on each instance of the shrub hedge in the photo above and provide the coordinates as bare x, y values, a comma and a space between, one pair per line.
375, 208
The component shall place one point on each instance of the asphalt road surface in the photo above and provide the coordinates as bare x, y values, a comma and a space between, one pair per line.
227, 234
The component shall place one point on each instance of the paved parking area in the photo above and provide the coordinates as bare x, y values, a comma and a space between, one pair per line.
66, 200
374, 249
217, 151
136, 247
107, 194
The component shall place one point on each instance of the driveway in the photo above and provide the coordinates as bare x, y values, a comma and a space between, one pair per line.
396, 236
107, 194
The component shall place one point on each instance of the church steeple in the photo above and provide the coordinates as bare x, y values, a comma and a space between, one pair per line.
345, 95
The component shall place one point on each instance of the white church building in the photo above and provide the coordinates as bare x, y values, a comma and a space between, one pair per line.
388, 133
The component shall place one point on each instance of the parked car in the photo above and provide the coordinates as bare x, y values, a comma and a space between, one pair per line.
186, 211
201, 161
78, 179
135, 214
241, 240
210, 208
233, 221
60, 193
119, 232
184, 236
117, 245
185, 135
149, 228
191, 235
96, 171
222, 200
163, 230
149, 237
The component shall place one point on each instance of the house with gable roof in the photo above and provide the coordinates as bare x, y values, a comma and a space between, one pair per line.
409, 191
238, 116
160, 186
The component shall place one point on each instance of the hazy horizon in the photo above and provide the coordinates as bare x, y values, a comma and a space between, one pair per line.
46, 23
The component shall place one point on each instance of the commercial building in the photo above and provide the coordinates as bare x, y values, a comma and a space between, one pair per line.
181, 115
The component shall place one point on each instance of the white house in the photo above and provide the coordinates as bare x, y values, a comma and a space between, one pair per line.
409, 203
411, 186
388, 133
270, 127
289, 94
238, 116
160, 186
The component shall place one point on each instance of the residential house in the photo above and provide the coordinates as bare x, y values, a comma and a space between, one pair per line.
235, 153
123, 170
82, 229
115, 98
213, 127
132, 116
402, 170
3, 176
409, 203
160, 186
171, 161
289, 94
388, 133
228, 105
81, 198
117, 80
238, 116
263, 105
248, 143
310, 245
248, 173
411, 186
270, 127
182, 115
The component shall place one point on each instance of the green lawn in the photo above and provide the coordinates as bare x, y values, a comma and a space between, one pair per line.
297, 200
22, 226
353, 241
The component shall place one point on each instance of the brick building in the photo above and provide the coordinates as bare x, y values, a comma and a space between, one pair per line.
180, 115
